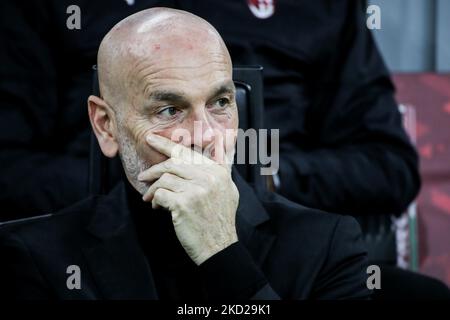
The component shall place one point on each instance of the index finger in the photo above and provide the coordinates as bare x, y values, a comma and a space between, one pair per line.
166, 146
176, 151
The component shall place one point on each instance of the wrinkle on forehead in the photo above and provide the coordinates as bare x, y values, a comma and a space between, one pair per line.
155, 78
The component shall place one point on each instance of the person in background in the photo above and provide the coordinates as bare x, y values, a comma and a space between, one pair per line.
342, 144
46, 75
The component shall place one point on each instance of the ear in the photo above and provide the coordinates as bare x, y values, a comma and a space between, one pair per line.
102, 119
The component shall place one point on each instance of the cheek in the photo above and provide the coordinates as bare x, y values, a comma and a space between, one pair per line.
144, 151
228, 120
150, 155
228, 130
232, 121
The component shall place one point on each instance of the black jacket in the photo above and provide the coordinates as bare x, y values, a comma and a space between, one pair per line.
285, 251
326, 88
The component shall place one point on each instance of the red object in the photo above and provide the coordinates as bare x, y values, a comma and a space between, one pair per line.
262, 9
429, 94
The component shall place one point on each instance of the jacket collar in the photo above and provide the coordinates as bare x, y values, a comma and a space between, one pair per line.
118, 264
112, 213
251, 221
116, 261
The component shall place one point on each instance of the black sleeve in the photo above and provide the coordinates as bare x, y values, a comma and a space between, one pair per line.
343, 275
19, 277
37, 175
232, 274
359, 158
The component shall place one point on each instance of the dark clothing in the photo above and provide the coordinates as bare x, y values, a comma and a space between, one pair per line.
285, 251
326, 88
45, 80
342, 145
400, 284
175, 274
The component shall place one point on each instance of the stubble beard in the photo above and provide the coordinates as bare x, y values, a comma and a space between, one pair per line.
133, 164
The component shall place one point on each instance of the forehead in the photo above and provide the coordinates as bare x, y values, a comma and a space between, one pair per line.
192, 68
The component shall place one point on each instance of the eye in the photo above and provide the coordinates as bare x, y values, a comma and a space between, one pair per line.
222, 102
168, 112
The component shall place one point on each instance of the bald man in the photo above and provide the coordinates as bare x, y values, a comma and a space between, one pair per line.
184, 225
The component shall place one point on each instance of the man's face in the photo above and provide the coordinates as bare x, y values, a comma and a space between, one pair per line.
177, 86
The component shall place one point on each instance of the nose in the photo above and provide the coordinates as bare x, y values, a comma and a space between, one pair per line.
202, 131
197, 132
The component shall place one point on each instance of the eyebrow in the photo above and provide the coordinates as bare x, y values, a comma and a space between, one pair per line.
227, 87
180, 97
163, 95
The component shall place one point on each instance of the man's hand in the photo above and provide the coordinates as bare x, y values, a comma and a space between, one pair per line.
200, 195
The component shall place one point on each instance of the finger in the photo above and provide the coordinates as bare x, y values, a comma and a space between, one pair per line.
176, 150
163, 198
167, 146
167, 181
181, 170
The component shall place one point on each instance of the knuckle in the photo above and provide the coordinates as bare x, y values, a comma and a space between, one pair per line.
158, 194
167, 164
170, 162
165, 177
151, 190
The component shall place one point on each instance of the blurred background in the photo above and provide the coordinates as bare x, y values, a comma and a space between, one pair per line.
414, 41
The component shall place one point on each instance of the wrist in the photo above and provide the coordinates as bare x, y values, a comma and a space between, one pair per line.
205, 255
